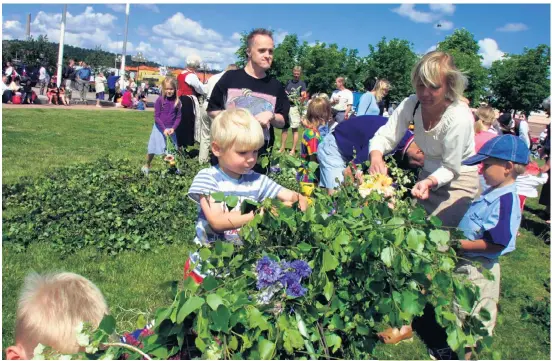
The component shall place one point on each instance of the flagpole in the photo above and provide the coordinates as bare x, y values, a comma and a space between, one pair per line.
60, 51
123, 85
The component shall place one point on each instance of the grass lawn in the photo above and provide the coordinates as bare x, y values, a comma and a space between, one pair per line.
35, 141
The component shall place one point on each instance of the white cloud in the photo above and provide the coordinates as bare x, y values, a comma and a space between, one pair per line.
307, 34
167, 43
151, 7
119, 8
490, 51
12, 29
513, 27
408, 11
443, 25
279, 36
447, 9
180, 27
431, 48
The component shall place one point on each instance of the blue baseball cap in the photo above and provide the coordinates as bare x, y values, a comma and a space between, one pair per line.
505, 147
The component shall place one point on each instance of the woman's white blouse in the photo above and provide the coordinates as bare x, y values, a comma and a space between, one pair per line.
445, 146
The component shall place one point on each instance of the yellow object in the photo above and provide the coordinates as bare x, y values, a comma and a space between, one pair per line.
306, 188
310, 201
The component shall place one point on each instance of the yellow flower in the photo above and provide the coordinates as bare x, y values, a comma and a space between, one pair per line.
172, 163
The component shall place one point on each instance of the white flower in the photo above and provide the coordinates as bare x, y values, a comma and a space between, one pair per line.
37, 353
83, 339
66, 357
91, 349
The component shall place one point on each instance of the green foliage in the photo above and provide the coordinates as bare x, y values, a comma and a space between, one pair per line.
463, 47
371, 265
108, 204
392, 60
521, 82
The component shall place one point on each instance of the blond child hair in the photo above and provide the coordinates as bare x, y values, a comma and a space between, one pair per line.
50, 308
238, 128
319, 112
485, 118
172, 82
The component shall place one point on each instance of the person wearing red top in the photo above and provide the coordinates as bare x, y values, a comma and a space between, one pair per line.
188, 81
126, 102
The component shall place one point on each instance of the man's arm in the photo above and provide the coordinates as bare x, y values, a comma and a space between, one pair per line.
193, 81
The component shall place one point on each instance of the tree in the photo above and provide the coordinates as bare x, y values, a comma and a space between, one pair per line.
463, 47
321, 66
285, 58
392, 60
521, 82
241, 53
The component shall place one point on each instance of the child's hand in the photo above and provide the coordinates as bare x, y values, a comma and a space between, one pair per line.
303, 202
168, 131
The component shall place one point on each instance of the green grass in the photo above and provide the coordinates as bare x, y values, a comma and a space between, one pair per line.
37, 141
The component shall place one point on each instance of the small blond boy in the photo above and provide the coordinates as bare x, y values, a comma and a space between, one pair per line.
236, 137
492, 222
49, 310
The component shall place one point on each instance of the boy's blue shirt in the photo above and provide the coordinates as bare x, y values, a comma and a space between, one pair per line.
495, 217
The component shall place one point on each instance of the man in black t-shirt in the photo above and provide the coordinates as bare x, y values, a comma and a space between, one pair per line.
294, 85
253, 89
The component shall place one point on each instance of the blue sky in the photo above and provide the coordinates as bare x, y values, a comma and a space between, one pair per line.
168, 34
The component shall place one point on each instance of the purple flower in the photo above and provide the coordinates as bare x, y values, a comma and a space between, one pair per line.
268, 272
290, 278
295, 290
301, 268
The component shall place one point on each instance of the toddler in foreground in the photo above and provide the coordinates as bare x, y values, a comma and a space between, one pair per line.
49, 309
236, 137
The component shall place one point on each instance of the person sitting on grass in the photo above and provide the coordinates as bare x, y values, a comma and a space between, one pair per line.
141, 105
28, 90
50, 308
319, 112
236, 137
127, 101
52, 92
63, 94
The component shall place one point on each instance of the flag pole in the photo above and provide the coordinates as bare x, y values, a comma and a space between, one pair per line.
61, 41
123, 83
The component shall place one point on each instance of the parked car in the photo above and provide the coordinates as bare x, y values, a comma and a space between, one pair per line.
154, 90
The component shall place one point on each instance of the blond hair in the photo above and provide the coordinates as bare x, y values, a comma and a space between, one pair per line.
519, 169
51, 306
319, 111
429, 69
239, 128
172, 82
381, 86
297, 68
485, 118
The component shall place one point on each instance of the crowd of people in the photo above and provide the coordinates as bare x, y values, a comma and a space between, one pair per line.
475, 167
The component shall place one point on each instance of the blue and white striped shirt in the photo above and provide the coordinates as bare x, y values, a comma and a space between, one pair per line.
252, 186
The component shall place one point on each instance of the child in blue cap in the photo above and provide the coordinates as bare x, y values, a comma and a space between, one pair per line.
492, 221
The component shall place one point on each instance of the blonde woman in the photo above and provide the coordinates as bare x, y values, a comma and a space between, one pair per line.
368, 104
443, 129
167, 114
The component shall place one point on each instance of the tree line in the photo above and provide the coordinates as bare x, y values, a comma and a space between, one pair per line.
518, 82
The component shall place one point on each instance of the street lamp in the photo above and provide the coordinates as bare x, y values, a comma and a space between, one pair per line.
138, 58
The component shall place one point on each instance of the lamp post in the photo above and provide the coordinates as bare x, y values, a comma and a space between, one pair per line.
138, 58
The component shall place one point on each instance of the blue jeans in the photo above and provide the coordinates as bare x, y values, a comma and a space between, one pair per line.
331, 163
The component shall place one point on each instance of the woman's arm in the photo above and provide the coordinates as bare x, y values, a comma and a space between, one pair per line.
221, 220
388, 136
157, 113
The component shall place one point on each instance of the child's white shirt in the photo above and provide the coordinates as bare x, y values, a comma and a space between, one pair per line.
527, 184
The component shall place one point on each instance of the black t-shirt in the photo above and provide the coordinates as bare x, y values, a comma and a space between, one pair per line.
292, 85
237, 89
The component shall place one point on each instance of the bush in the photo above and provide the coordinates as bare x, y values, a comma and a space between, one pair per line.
108, 204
